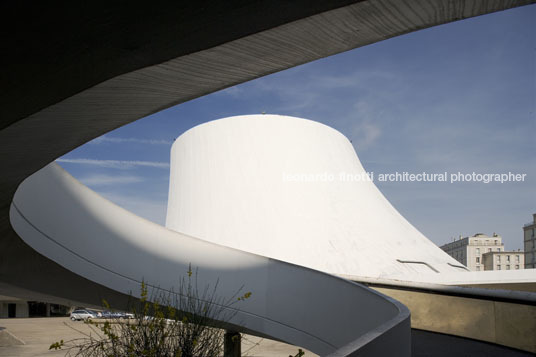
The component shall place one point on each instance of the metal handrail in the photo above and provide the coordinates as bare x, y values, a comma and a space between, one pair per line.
458, 266
417, 262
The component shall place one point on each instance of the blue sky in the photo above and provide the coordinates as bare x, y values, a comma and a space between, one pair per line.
457, 97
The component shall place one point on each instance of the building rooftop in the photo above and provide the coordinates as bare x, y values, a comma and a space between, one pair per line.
531, 223
477, 235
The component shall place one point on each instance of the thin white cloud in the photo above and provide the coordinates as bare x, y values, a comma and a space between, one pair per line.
106, 180
365, 134
363, 125
115, 140
116, 164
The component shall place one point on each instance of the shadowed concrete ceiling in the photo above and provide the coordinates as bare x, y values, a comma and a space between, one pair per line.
73, 72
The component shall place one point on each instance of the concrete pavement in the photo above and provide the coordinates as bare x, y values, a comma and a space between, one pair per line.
38, 334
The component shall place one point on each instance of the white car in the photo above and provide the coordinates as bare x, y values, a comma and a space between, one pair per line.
77, 315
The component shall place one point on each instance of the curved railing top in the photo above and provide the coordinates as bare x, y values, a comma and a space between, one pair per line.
92, 237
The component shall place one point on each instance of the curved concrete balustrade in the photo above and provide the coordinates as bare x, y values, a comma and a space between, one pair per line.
478, 315
73, 226
503, 317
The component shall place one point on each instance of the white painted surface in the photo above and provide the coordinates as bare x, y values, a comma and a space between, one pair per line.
228, 185
73, 226
475, 277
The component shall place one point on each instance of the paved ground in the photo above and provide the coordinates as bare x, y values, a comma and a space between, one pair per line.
39, 333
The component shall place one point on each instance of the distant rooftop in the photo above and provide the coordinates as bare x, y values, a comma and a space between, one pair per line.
533, 221
482, 235
477, 235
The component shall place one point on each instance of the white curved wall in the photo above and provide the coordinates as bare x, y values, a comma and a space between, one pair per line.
228, 185
83, 232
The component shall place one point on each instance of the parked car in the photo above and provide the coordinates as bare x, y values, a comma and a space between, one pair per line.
116, 315
94, 312
106, 314
81, 314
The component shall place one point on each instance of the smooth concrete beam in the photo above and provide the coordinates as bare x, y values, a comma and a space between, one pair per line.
515, 326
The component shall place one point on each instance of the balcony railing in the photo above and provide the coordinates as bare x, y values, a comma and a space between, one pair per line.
489, 243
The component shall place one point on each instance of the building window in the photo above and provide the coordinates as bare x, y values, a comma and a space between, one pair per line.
478, 268
517, 266
478, 259
478, 251
489, 249
517, 258
498, 258
498, 267
508, 258
496, 242
498, 249
508, 267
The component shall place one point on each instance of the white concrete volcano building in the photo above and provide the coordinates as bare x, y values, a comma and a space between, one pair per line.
292, 189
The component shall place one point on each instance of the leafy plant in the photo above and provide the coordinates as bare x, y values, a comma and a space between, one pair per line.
299, 354
185, 323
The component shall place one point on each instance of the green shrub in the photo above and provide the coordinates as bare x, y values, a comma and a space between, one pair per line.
186, 323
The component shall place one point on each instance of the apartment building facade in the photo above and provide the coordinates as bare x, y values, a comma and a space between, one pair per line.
503, 260
469, 250
529, 242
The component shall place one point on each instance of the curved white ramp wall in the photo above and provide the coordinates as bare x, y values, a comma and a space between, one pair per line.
245, 182
78, 229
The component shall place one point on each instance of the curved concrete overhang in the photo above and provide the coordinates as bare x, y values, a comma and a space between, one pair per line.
65, 83
122, 64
